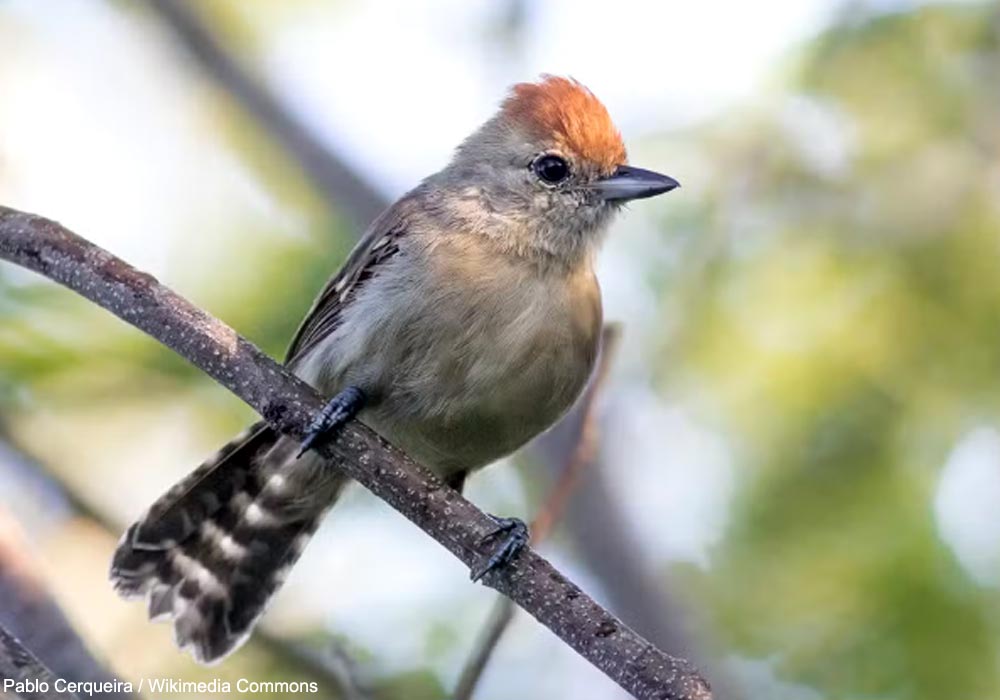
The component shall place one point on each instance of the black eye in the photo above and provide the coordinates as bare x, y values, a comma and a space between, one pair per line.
550, 169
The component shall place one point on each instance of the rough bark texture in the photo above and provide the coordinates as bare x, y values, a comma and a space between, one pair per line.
31, 615
289, 405
18, 665
579, 456
606, 544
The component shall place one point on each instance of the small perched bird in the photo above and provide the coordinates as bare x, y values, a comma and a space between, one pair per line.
464, 323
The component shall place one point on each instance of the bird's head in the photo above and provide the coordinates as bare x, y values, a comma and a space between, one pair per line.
545, 174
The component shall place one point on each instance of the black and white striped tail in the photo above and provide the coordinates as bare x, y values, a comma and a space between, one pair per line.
211, 552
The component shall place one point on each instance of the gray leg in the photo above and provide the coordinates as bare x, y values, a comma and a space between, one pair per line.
515, 538
340, 409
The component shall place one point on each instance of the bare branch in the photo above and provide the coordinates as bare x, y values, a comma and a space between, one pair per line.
30, 613
289, 405
631, 586
336, 180
332, 662
488, 640
20, 666
580, 457
616, 555
611, 549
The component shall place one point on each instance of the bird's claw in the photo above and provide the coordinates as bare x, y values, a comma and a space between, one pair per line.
515, 538
338, 410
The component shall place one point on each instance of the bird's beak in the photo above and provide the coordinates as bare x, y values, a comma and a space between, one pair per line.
627, 183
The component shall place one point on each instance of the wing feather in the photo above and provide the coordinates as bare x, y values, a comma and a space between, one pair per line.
379, 244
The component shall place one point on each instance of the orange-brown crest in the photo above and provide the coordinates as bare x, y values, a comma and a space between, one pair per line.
564, 110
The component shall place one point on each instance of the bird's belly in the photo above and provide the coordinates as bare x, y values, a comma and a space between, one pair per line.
460, 376
460, 426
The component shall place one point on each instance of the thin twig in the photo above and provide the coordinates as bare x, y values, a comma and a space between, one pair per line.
332, 664
501, 615
289, 405
549, 514
336, 180
586, 448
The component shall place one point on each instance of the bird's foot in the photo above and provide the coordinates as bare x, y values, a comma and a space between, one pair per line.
338, 410
515, 537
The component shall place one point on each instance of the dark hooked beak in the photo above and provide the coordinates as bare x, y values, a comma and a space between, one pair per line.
627, 183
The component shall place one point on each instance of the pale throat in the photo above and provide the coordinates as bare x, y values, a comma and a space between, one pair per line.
543, 235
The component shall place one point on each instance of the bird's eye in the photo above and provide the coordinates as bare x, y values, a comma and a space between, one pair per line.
550, 169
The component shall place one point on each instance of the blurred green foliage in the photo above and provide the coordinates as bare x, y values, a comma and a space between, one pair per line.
844, 330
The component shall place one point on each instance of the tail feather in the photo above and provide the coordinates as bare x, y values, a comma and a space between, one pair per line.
174, 516
211, 552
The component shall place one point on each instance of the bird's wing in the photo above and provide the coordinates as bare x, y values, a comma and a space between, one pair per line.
379, 244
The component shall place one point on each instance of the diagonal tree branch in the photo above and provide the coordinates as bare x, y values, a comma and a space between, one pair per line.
35, 619
343, 185
549, 515
29, 612
19, 666
606, 544
289, 405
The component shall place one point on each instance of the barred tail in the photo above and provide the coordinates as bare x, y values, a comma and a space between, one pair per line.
211, 552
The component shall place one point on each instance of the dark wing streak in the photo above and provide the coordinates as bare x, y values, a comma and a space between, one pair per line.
379, 244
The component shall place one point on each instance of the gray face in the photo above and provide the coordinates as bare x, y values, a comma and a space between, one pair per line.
528, 194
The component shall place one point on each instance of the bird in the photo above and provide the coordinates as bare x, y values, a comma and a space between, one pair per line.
465, 322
